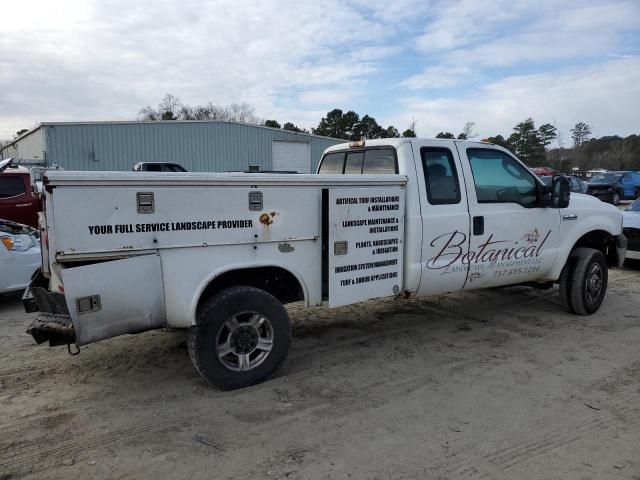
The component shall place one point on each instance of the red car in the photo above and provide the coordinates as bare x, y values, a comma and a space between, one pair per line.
19, 200
544, 171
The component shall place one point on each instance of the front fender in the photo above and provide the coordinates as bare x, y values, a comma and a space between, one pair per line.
572, 233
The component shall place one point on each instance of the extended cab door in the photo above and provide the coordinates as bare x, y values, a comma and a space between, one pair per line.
513, 238
17, 203
445, 217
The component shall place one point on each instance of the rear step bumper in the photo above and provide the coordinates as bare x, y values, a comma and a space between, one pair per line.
54, 323
37, 297
56, 328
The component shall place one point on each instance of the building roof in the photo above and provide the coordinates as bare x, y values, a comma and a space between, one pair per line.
25, 134
156, 122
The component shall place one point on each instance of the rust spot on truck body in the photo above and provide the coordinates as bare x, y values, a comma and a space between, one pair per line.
267, 218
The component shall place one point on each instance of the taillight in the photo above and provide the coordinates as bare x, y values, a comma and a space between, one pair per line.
45, 239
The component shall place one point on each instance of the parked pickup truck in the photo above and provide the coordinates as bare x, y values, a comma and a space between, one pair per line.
19, 198
219, 254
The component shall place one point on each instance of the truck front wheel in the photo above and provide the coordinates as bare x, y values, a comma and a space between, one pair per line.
241, 337
583, 281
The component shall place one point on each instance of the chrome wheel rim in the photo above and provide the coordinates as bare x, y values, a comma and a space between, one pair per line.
244, 341
593, 282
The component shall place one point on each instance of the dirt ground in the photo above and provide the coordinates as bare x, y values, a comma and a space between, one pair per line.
496, 384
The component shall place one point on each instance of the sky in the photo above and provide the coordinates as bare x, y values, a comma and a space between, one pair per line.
440, 63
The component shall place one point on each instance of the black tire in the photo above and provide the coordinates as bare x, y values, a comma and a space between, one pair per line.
615, 198
583, 281
239, 307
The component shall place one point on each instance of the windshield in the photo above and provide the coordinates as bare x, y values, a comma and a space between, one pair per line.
547, 179
606, 178
634, 207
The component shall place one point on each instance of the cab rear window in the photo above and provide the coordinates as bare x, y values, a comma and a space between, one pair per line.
368, 161
11, 186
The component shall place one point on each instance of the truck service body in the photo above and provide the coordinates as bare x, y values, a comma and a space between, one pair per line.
218, 254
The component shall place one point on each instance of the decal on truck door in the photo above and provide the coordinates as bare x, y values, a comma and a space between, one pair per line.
365, 244
500, 257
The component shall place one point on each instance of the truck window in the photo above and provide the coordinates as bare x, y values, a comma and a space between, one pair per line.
379, 161
332, 163
11, 186
353, 163
369, 161
499, 178
440, 176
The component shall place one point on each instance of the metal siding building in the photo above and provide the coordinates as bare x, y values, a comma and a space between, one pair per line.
29, 148
205, 146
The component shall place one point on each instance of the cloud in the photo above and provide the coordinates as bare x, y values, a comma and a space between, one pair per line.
326, 97
495, 33
295, 60
438, 77
106, 60
606, 96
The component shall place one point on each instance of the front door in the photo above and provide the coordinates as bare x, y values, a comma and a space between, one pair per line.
445, 218
513, 238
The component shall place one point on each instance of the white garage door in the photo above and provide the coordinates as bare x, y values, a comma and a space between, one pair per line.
294, 156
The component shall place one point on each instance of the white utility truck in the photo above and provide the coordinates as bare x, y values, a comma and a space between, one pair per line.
219, 254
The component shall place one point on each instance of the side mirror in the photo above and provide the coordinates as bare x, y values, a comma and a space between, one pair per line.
560, 192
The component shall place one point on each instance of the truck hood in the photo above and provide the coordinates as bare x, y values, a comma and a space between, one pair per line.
4, 164
631, 219
584, 201
600, 185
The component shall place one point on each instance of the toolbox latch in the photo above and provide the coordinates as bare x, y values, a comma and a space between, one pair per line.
146, 203
255, 201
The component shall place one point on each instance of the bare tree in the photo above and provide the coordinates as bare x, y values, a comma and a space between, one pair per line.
170, 108
412, 126
241, 112
467, 131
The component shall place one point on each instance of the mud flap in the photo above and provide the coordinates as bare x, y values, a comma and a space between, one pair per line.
114, 298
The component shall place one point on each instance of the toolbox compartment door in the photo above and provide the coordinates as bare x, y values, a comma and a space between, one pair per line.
366, 239
113, 298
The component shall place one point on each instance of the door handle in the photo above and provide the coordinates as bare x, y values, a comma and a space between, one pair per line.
570, 217
23, 205
478, 225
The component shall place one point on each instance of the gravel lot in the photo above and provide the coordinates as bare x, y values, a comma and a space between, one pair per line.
494, 384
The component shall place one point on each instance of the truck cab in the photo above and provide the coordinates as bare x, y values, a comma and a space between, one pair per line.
476, 216
19, 198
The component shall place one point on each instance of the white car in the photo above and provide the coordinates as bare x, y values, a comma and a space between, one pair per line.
631, 228
19, 255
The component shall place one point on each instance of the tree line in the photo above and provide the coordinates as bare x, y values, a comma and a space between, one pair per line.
530, 143
336, 124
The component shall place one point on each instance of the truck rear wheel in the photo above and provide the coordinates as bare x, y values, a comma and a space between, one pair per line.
241, 338
583, 281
